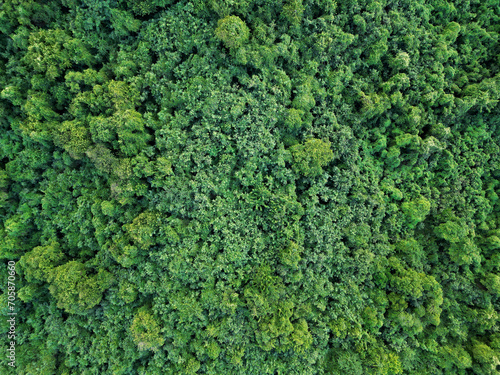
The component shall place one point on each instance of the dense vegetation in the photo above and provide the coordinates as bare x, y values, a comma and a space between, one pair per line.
251, 187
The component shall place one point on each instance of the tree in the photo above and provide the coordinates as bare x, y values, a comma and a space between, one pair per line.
311, 156
454, 355
74, 291
74, 137
143, 228
132, 137
290, 255
400, 61
232, 31
416, 210
452, 231
450, 32
146, 331
293, 11
492, 282
39, 262
484, 354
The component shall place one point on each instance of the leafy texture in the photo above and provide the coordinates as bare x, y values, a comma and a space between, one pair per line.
226, 187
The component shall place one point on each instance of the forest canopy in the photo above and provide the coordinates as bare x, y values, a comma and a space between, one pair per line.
251, 187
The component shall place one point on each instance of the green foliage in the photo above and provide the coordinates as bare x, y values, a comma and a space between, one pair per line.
454, 356
39, 262
311, 156
293, 11
232, 31
290, 255
251, 187
412, 252
74, 291
452, 231
74, 137
145, 331
483, 353
451, 31
358, 234
50, 52
464, 252
384, 362
401, 61
142, 229
416, 210
293, 119
127, 292
492, 282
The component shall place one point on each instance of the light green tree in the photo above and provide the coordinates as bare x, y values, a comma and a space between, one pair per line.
416, 210
74, 290
146, 331
39, 262
311, 156
233, 31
